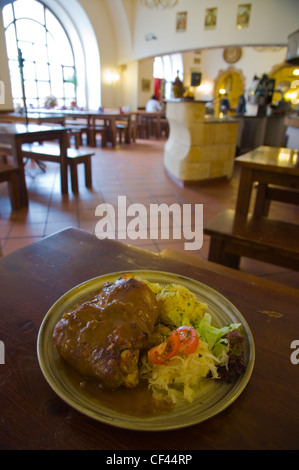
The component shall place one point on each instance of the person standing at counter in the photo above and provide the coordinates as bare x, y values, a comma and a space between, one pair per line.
224, 104
153, 105
241, 108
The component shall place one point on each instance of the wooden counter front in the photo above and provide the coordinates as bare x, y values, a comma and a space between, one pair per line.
198, 148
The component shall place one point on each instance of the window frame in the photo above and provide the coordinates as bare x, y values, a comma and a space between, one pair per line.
39, 100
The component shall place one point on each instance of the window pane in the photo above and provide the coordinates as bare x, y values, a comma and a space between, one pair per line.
42, 72
29, 71
158, 68
15, 79
30, 89
69, 74
43, 89
29, 9
40, 53
33, 103
28, 30
69, 90
60, 42
167, 68
61, 103
11, 43
177, 66
27, 50
7, 15
56, 80
53, 51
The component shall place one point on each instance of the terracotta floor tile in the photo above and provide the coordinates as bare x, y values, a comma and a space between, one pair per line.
13, 244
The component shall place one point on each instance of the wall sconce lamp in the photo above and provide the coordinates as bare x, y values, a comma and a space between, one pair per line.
111, 77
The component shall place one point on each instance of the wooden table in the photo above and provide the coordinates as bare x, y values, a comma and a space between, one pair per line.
265, 165
12, 136
34, 118
264, 416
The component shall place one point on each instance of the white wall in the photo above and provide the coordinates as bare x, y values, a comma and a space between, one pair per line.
271, 22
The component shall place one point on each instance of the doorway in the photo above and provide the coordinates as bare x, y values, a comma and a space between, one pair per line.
229, 83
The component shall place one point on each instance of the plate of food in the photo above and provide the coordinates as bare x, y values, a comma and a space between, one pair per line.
146, 350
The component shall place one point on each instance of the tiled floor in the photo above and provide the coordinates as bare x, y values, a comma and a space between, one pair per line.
137, 172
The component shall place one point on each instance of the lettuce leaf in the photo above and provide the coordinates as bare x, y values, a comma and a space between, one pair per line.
213, 335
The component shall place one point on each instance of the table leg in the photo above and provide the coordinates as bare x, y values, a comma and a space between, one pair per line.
18, 159
63, 162
262, 204
244, 192
158, 126
113, 132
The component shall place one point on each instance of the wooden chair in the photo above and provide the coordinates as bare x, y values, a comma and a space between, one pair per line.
126, 128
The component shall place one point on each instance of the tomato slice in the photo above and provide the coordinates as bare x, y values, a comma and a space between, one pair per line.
164, 351
183, 339
188, 339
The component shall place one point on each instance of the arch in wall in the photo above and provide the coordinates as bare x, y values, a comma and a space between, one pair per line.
122, 14
233, 81
87, 55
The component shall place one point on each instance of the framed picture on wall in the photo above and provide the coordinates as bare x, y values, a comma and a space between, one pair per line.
243, 15
145, 84
210, 18
181, 21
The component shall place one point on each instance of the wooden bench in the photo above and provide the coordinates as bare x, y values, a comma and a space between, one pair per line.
50, 153
9, 174
258, 238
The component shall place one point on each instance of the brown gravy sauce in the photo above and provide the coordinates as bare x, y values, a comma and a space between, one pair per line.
136, 401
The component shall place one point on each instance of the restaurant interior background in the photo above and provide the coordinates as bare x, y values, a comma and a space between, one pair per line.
115, 43
122, 50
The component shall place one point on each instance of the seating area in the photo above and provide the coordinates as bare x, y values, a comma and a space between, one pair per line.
238, 233
260, 238
137, 172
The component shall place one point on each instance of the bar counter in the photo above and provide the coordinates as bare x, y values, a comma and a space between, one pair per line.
199, 148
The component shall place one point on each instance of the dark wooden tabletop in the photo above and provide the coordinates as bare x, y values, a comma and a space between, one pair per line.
279, 159
267, 166
264, 416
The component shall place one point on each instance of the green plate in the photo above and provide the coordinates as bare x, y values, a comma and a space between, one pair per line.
214, 399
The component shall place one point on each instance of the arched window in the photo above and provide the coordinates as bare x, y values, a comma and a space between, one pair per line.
49, 68
169, 67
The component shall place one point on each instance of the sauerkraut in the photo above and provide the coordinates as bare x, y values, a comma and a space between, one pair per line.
182, 377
